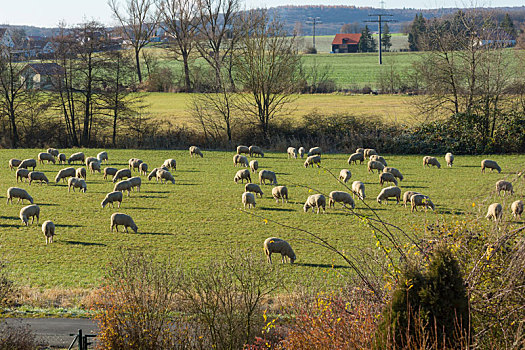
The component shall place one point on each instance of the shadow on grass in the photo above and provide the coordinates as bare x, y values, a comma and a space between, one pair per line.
139, 208
275, 209
48, 204
10, 217
156, 192
9, 225
84, 243
327, 266
67, 225
155, 233
449, 211
154, 196
415, 186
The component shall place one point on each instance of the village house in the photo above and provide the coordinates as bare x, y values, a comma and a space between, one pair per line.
5, 38
345, 43
41, 76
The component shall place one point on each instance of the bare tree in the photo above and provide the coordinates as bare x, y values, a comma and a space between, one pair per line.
139, 21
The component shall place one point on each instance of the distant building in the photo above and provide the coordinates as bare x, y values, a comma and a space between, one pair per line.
345, 43
41, 76
5, 38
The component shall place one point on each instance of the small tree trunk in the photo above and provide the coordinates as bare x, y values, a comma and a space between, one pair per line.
187, 79
137, 62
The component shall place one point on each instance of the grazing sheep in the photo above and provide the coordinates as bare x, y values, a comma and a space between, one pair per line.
301, 152
354, 157
121, 186
76, 157
504, 186
276, 245
345, 175
47, 157
94, 166
428, 161
394, 172
254, 165
143, 169
62, 158
20, 193
267, 175
314, 151
89, 160
37, 176
315, 201
248, 199
165, 175
407, 195
420, 200
389, 192
242, 175
22, 174
122, 173
30, 212
241, 160
48, 229
292, 152
387, 177
311, 160
63, 174
379, 159
517, 209
367, 152
256, 150
27, 163
449, 158
341, 197
136, 182
489, 164
102, 156
358, 188
360, 150
153, 174
253, 188
81, 173
14, 163
53, 151
115, 196
195, 151
122, 220
75, 182
495, 212
109, 172
373, 164
134, 163
243, 149
280, 192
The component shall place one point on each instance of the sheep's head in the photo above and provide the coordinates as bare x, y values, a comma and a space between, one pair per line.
134, 228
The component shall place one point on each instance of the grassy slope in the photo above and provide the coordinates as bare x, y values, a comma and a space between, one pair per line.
198, 218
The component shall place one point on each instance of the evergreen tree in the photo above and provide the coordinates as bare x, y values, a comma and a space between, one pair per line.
508, 26
366, 42
417, 28
386, 38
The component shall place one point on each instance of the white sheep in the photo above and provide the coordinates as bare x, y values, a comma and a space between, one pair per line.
136, 182
378, 159
242, 175
62, 158
389, 192
76, 157
89, 160
94, 166
280, 192
81, 173
301, 152
122, 220
20, 193
292, 152
46, 156
143, 169
22, 174
115, 196
48, 229
420, 200
14, 163
315, 151
387, 177
256, 150
367, 152
253, 188
315, 201
489, 164
340, 197
394, 172
195, 151
267, 175
375, 165
27, 163
276, 245
428, 161
75, 182
30, 212
108, 171
240, 160
517, 208
360, 150
122, 173
37, 176
504, 186
102, 156
495, 212
254, 165
358, 188
407, 195
449, 158
53, 151
311, 160
345, 175
63, 174
121, 186
243, 149
134, 163
248, 199
165, 175
354, 157
153, 174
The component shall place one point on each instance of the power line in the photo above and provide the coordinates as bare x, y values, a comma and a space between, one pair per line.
314, 21
380, 20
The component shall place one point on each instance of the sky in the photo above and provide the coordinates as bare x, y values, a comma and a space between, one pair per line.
48, 13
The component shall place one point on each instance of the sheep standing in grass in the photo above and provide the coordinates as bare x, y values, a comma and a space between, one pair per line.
89, 160
280, 192
22, 174
14, 163
76, 157
267, 175
360, 150
301, 152
115, 196
315, 151
109, 172
256, 150
37, 176
170, 164
102, 157
63, 174
517, 209
276, 245
367, 152
428, 161
253, 188
240, 160
311, 160
394, 172
389, 192
122, 173
75, 182
420, 200
20, 193
375, 165
292, 152
449, 158
407, 195
495, 212
504, 186
134, 163
48, 157
166, 176
153, 173
242, 175
119, 219
136, 182
340, 197
358, 188
345, 175
379, 159
62, 158
254, 165
53, 151
243, 149
81, 173
31, 211
27, 163
94, 166
489, 164
48, 229
387, 177
121, 186
248, 199
195, 151
315, 201
356, 157
143, 169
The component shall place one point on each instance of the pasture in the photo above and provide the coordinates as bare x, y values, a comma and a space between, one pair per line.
200, 218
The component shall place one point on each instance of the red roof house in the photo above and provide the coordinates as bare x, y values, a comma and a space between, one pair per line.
344, 43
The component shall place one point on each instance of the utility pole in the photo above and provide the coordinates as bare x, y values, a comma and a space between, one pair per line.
314, 21
380, 20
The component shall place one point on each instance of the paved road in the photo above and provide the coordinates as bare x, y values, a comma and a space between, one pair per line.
55, 332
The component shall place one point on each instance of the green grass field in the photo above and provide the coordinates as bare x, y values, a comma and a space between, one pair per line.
199, 218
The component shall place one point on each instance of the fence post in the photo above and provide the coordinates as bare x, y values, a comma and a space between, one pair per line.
80, 340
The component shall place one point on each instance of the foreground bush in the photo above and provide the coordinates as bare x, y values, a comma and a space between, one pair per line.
16, 338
